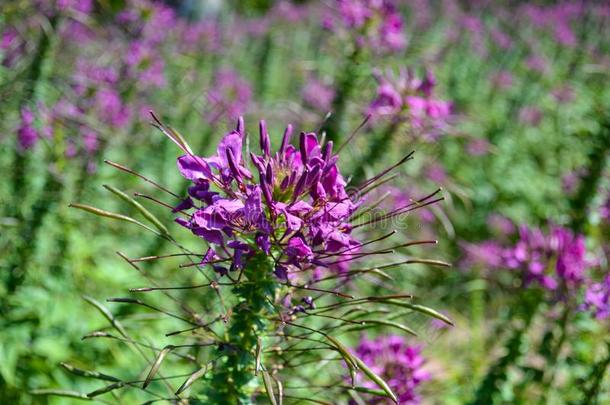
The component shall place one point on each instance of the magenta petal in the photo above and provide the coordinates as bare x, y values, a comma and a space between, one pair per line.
193, 167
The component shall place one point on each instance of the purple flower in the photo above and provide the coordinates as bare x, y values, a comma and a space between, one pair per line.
564, 34
555, 260
27, 134
229, 95
90, 141
502, 80
297, 208
488, 255
501, 38
318, 95
376, 23
597, 298
398, 363
501, 225
530, 115
111, 109
9, 37
537, 63
478, 147
405, 97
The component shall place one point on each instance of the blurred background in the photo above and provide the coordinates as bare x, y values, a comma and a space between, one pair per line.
506, 105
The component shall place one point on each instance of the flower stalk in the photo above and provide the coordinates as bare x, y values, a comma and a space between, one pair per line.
233, 380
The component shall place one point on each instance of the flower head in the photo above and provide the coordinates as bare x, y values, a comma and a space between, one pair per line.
555, 260
378, 23
318, 95
399, 364
407, 97
597, 298
27, 135
291, 203
229, 94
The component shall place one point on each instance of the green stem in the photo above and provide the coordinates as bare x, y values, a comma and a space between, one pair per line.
19, 261
498, 372
346, 80
596, 376
263, 66
29, 226
233, 381
590, 183
548, 376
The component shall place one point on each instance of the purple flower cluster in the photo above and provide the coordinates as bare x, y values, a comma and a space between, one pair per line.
551, 260
378, 23
597, 298
318, 95
229, 95
297, 211
408, 97
27, 134
398, 363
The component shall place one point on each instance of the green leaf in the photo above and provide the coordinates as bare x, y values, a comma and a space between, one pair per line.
379, 393
192, 378
88, 373
106, 389
386, 323
425, 310
269, 387
155, 367
108, 214
145, 213
61, 393
107, 314
376, 379
344, 352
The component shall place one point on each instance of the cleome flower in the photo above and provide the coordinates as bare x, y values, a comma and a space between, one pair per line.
405, 97
400, 364
292, 204
283, 222
378, 23
555, 260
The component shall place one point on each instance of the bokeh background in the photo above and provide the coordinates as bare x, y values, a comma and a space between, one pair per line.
506, 105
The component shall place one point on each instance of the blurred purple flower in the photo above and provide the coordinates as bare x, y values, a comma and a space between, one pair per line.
27, 135
436, 173
405, 97
90, 141
556, 260
501, 39
318, 95
488, 255
502, 79
537, 63
501, 224
597, 298
563, 95
550, 260
478, 147
229, 95
530, 115
398, 363
111, 109
83, 6
377, 23
564, 34
9, 37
